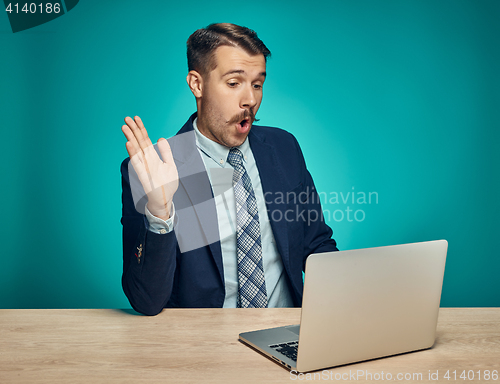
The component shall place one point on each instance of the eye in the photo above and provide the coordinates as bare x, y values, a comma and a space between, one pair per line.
232, 84
257, 86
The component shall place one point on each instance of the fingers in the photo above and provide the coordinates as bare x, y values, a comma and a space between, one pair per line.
140, 125
132, 144
138, 139
146, 142
139, 132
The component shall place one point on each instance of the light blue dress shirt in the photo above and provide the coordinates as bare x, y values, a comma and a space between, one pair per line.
220, 173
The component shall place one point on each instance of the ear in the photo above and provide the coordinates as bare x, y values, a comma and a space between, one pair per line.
195, 82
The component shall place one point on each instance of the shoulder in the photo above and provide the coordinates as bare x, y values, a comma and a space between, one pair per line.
124, 166
274, 136
281, 144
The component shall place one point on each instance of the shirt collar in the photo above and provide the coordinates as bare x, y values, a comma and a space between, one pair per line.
217, 152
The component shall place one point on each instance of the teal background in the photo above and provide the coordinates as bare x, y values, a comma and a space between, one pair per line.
400, 98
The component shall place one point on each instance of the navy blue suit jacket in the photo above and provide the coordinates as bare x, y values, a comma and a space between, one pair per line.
163, 276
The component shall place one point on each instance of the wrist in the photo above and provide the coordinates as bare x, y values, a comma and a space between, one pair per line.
162, 213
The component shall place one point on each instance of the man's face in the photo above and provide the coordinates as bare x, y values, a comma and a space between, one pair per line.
231, 95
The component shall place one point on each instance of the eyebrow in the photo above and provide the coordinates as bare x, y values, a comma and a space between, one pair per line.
240, 71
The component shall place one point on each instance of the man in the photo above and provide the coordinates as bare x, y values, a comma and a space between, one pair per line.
188, 239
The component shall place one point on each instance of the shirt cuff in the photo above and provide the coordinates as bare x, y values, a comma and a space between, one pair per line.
158, 225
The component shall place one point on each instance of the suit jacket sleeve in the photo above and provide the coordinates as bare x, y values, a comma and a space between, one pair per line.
149, 259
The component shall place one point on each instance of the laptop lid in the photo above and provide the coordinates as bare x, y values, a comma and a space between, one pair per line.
368, 303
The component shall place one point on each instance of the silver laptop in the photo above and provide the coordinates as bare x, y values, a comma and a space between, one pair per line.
360, 305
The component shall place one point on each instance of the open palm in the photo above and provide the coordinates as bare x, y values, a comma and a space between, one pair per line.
158, 176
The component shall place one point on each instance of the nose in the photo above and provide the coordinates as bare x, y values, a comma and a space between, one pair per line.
249, 98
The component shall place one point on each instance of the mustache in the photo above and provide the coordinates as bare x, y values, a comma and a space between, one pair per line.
247, 113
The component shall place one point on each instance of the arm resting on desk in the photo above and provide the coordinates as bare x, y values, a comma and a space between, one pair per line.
149, 259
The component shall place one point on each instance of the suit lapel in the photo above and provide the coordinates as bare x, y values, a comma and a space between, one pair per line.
273, 180
198, 200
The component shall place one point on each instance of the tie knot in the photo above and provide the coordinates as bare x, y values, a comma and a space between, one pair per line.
235, 157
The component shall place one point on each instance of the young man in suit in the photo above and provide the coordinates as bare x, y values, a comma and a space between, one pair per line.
189, 238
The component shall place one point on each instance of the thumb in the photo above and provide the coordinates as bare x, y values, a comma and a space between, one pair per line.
165, 151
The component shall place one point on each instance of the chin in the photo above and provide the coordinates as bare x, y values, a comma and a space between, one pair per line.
236, 142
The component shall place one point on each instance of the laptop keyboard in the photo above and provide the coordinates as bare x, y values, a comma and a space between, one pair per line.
289, 349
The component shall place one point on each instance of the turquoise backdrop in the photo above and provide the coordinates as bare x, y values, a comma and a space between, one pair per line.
399, 99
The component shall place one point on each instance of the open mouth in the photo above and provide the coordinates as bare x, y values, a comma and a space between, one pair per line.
244, 125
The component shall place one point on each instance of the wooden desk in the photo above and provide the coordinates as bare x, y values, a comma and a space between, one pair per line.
197, 346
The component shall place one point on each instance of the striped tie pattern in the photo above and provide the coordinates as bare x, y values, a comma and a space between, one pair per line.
251, 282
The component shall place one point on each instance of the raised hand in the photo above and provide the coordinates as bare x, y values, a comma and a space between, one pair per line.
158, 177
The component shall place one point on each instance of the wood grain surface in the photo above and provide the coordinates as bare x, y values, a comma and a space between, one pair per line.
201, 346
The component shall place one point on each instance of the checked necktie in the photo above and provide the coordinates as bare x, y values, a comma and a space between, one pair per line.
252, 286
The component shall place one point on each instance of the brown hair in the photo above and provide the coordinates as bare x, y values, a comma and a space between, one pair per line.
202, 44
